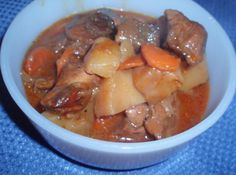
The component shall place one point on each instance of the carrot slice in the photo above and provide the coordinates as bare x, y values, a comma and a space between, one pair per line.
37, 59
61, 62
159, 58
103, 128
108, 123
131, 62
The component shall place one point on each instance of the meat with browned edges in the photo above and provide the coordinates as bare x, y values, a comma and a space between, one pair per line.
185, 37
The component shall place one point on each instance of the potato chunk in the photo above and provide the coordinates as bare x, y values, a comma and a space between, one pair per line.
104, 58
194, 76
117, 94
154, 84
126, 49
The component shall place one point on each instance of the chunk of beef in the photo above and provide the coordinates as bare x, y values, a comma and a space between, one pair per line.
132, 127
72, 92
137, 114
56, 42
161, 22
73, 97
161, 124
130, 133
44, 83
127, 132
118, 128
140, 32
83, 30
185, 37
74, 72
116, 17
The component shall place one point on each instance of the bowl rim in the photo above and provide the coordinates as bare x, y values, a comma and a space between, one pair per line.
114, 147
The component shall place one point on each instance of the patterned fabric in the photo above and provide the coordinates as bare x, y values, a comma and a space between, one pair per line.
23, 151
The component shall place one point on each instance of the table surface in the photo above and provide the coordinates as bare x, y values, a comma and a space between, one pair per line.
23, 151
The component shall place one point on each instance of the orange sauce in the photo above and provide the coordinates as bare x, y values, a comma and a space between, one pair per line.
192, 107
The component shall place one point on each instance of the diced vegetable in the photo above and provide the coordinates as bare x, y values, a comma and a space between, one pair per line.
108, 123
159, 58
194, 76
126, 49
117, 94
39, 60
131, 62
104, 58
154, 84
103, 127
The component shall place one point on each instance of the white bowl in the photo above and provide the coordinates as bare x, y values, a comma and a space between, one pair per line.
40, 14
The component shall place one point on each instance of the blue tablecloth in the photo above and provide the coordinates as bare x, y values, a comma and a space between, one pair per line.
23, 151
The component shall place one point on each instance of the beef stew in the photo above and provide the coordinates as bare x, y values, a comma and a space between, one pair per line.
120, 76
